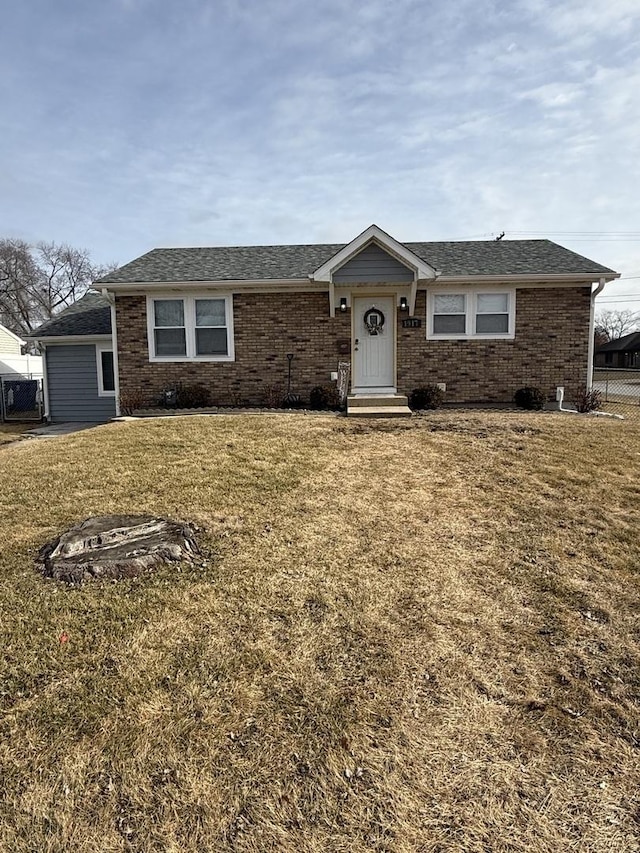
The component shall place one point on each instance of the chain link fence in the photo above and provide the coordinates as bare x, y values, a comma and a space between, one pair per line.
619, 390
21, 397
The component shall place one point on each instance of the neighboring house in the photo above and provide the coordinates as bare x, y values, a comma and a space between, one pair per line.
481, 318
12, 361
623, 352
10, 343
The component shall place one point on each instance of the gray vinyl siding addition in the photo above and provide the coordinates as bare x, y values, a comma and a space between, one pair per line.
372, 264
72, 382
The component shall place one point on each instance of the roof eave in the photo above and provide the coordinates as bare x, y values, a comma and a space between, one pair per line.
220, 284
68, 339
555, 278
312, 283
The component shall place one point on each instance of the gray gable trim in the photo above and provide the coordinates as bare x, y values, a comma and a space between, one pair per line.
277, 263
372, 264
90, 315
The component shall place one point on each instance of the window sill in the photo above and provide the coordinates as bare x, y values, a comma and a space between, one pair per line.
185, 359
508, 337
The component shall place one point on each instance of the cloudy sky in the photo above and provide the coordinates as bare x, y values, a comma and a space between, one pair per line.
129, 124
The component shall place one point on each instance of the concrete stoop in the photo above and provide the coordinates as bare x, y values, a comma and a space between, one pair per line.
377, 406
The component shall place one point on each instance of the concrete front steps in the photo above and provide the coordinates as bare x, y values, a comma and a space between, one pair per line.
377, 406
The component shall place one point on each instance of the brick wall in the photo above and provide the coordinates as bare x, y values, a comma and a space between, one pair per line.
550, 349
267, 327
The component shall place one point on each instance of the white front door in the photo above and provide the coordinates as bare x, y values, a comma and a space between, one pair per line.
374, 324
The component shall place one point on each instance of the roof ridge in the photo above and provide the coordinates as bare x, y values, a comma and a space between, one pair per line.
318, 245
250, 246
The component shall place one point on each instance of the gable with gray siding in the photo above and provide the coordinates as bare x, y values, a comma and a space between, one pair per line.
372, 264
72, 384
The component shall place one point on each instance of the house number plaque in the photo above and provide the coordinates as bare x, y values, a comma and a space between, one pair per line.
412, 323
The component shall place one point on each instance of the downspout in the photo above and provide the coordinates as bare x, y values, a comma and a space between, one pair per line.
114, 343
592, 330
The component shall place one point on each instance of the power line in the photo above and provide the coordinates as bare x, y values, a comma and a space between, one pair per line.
597, 239
572, 236
581, 233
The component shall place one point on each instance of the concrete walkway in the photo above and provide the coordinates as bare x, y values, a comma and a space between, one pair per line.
56, 430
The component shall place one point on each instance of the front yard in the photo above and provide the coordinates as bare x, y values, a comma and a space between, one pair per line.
13, 432
402, 636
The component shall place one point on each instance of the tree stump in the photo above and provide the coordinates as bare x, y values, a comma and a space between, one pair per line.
116, 546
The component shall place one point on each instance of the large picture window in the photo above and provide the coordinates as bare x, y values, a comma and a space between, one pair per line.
190, 328
471, 314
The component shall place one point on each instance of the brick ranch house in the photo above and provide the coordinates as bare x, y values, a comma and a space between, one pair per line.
480, 318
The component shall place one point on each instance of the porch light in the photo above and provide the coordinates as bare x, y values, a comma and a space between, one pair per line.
404, 305
343, 303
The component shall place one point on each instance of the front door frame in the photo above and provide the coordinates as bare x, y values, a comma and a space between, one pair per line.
393, 325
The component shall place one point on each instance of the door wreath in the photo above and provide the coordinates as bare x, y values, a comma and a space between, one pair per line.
374, 320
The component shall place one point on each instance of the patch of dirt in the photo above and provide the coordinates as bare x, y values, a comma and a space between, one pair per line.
453, 425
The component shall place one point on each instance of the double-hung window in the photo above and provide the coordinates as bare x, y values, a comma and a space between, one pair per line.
211, 327
449, 314
169, 331
190, 328
471, 314
492, 314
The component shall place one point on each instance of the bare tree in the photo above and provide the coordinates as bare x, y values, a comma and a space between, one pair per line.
37, 281
18, 281
615, 323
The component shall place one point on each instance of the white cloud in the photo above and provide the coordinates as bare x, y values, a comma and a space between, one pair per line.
554, 95
284, 122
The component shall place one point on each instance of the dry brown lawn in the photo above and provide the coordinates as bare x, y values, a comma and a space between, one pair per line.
403, 636
13, 432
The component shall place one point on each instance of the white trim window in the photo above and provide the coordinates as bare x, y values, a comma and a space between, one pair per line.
105, 370
460, 315
190, 327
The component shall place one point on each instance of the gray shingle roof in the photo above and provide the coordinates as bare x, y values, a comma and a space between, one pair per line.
90, 315
238, 263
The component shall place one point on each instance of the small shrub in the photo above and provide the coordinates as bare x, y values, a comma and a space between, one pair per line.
292, 401
272, 396
131, 400
192, 397
588, 401
529, 397
167, 399
429, 397
323, 397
